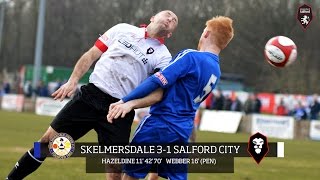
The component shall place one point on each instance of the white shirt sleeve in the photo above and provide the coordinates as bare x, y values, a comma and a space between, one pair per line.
105, 40
163, 60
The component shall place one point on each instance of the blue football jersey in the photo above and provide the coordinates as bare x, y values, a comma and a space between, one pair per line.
187, 81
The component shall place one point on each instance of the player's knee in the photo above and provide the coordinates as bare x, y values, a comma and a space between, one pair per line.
44, 139
113, 176
127, 177
48, 135
153, 176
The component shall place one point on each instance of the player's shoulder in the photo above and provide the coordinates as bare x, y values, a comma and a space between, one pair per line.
164, 48
193, 52
125, 27
186, 53
162, 51
199, 57
203, 55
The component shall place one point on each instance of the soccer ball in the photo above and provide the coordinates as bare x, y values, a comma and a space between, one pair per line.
280, 51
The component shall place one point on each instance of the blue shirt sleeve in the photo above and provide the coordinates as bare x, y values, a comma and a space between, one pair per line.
178, 68
144, 89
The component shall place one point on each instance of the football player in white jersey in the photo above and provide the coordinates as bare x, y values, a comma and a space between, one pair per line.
126, 56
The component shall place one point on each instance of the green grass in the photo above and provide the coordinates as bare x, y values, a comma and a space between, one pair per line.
18, 131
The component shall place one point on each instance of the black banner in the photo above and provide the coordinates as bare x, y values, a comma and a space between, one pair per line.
197, 157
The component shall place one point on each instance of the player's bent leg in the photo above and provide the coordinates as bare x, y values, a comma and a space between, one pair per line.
153, 176
193, 135
113, 176
76, 119
113, 171
113, 134
48, 135
127, 177
28, 163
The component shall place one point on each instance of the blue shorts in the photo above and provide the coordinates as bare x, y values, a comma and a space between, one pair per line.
156, 131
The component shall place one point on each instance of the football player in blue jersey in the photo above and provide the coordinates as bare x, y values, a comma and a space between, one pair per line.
182, 86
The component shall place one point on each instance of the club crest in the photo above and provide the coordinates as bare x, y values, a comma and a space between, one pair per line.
150, 50
304, 15
258, 147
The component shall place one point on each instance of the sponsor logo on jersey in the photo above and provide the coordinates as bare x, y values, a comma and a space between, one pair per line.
150, 50
161, 77
140, 55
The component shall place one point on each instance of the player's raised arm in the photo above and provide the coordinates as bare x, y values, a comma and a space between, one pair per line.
84, 63
81, 67
121, 109
178, 68
165, 78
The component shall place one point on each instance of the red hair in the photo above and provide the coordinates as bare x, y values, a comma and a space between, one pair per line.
222, 30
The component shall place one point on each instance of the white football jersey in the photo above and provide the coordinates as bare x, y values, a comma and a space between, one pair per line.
129, 57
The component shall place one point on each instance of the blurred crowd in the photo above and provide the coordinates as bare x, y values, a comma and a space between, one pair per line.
215, 101
5, 88
41, 89
218, 101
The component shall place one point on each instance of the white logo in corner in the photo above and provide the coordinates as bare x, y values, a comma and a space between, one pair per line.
258, 144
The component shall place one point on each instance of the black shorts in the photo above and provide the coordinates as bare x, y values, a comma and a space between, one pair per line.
88, 110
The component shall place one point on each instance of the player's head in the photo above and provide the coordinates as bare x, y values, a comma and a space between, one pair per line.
218, 32
163, 24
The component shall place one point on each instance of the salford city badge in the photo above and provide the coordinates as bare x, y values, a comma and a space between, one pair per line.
304, 15
258, 147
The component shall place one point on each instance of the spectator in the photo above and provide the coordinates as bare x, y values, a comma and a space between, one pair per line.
6, 87
300, 112
314, 108
281, 109
218, 101
1, 90
256, 104
248, 104
227, 103
42, 89
27, 89
236, 105
208, 101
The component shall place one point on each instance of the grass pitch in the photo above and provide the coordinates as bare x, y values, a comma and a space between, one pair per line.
18, 131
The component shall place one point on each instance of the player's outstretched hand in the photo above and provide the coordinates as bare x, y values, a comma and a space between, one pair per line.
65, 90
118, 109
114, 104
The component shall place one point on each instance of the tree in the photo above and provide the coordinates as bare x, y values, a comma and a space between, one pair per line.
72, 27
